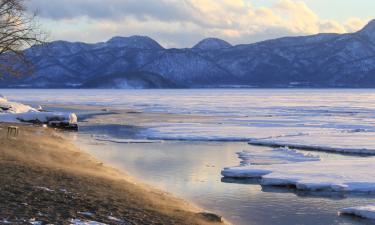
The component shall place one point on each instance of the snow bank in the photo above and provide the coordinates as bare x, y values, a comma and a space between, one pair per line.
14, 112
367, 212
344, 175
14, 107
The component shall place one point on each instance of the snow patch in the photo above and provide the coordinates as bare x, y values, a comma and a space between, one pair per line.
14, 107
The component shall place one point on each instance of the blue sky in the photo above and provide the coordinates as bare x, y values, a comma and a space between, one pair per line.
182, 23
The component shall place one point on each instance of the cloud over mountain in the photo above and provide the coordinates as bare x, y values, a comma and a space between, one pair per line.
177, 23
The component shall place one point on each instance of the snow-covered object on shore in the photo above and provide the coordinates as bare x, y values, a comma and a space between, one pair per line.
14, 112
367, 212
346, 175
47, 117
14, 107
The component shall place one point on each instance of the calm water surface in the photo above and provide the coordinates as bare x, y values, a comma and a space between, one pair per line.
192, 171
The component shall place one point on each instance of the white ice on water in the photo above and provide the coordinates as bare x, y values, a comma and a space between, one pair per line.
367, 212
338, 175
353, 143
337, 120
280, 155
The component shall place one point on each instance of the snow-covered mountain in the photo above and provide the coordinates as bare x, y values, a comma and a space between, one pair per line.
322, 60
212, 44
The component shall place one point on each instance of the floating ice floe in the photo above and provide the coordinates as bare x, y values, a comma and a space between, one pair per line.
344, 175
14, 112
367, 212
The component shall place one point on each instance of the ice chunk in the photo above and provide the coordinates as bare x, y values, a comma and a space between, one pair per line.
367, 212
344, 175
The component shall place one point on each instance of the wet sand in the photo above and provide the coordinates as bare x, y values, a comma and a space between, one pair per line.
46, 178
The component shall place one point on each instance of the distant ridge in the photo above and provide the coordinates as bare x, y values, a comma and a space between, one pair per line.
315, 61
141, 42
212, 44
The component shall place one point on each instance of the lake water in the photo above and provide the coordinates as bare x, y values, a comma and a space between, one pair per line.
188, 164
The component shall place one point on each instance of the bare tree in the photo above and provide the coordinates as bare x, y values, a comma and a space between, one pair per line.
18, 30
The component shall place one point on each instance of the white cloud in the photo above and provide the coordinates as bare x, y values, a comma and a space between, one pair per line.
354, 24
181, 23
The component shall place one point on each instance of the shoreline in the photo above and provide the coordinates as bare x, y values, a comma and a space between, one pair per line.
46, 178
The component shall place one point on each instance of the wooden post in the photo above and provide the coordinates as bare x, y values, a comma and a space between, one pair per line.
13, 131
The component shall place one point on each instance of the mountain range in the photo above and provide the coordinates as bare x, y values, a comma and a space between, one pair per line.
317, 61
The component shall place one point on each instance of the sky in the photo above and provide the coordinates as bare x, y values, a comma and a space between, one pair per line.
183, 23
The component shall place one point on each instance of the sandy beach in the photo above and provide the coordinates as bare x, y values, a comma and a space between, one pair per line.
45, 178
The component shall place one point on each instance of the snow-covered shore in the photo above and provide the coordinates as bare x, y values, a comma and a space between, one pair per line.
14, 112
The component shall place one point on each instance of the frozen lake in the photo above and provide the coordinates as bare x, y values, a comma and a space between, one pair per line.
189, 163
338, 118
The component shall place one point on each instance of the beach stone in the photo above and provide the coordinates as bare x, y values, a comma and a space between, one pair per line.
211, 217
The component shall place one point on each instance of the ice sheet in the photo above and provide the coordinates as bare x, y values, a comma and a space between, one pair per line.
367, 212
341, 175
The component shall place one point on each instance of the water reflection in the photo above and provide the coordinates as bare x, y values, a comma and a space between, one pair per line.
192, 170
